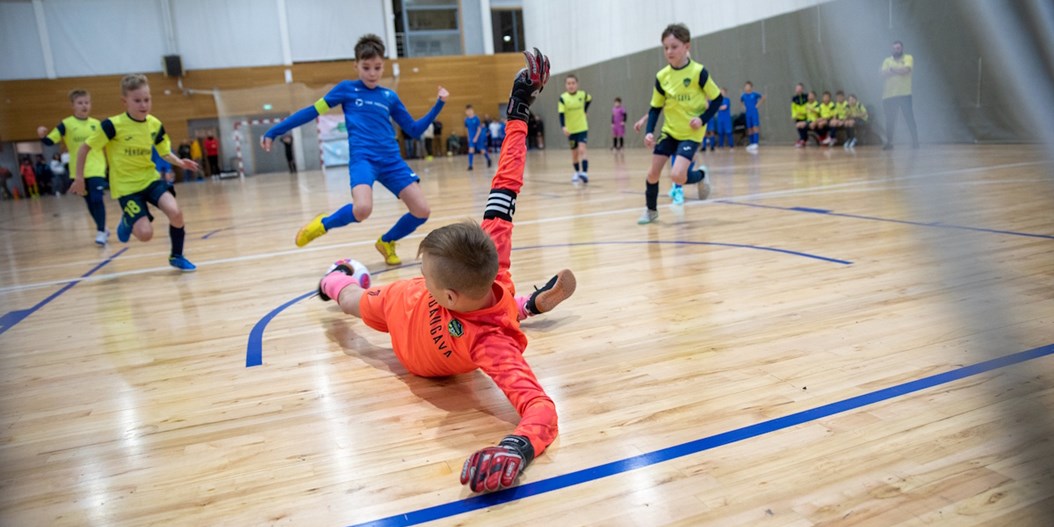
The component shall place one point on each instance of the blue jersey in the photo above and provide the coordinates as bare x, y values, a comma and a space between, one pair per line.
726, 114
472, 125
368, 114
750, 100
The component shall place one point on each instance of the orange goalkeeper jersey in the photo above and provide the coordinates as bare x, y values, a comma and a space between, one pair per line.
432, 341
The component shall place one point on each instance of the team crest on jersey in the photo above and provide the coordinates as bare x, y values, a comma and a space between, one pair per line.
358, 102
455, 328
687, 81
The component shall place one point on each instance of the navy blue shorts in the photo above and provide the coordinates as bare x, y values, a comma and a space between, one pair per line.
578, 137
392, 172
133, 206
753, 119
669, 146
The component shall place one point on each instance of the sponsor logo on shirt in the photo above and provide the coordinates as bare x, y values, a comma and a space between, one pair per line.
455, 327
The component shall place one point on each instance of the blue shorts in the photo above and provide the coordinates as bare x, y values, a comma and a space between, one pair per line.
577, 137
669, 146
133, 206
711, 125
481, 144
392, 172
724, 125
753, 119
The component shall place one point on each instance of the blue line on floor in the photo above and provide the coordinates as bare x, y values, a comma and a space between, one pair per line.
254, 348
937, 224
483, 501
9, 319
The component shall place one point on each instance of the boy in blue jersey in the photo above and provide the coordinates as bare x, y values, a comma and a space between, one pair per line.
477, 137
373, 151
751, 101
724, 121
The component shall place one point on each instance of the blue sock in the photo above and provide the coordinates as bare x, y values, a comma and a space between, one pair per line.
486, 155
342, 217
577, 168
470, 156
754, 139
97, 209
585, 165
407, 223
694, 176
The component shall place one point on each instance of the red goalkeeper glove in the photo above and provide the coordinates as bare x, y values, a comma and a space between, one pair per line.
528, 83
497, 467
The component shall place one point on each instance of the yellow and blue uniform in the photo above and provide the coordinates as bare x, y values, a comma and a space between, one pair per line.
73, 132
682, 94
572, 108
841, 110
826, 110
812, 110
856, 111
799, 107
130, 144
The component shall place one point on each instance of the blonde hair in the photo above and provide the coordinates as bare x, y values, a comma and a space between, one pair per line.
133, 82
77, 93
464, 257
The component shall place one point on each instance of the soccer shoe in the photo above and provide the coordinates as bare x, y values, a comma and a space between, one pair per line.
543, 300
181, 263
649, 216
576, 177
124, 230
583, 177
312, 230
753, 147
703, 189
799, 144
101, 237
352, 268
387, 250
677, 195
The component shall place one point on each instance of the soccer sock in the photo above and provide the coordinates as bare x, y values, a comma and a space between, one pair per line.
577, 168
340, 218
803, 134
470, 156
585, 165
850, 132
487, 156
334, 283
754, 138
177, 236
651, 196
97, 209
695, 176
407, 223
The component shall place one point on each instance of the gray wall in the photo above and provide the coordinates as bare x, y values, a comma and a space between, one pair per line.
962, 93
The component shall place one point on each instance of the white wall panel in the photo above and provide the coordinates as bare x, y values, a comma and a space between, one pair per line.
20, 54
227, 34
104, 37
328, 29
584, 32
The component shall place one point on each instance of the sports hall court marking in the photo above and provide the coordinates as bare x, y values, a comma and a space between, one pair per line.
254, 349
11, 318
613, 468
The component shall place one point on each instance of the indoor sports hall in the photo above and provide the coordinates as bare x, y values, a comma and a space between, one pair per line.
849, 321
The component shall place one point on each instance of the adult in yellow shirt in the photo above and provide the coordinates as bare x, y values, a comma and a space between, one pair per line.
896, 94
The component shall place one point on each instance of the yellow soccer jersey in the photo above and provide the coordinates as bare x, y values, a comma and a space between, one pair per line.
683, 94
841, 110
74, 132
812, 110
573, 106
826, 110
799, 112
129, 146
857, 111
897, 85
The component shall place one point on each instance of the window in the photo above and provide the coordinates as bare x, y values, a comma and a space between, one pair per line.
427, 27
507, 25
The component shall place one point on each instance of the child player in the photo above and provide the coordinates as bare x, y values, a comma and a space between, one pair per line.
130, 139
461, 315
372, 148
751, 102
73, 131
573, 105
477, 136
687, 97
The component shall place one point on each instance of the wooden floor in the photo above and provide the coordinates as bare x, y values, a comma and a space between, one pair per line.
813, 281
